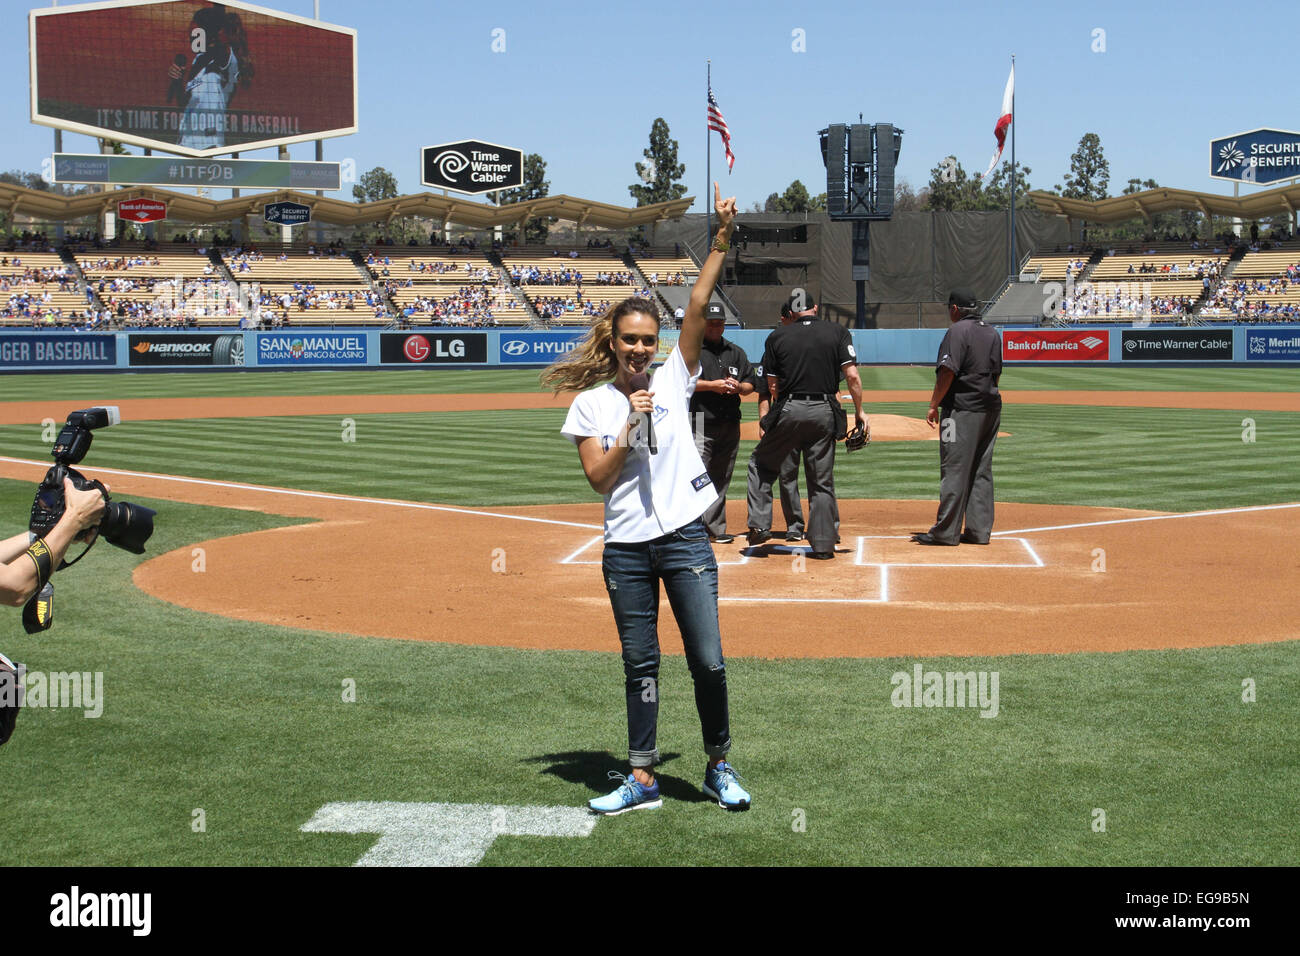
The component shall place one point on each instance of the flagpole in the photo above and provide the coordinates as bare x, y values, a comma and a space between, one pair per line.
1014, 124
708, 168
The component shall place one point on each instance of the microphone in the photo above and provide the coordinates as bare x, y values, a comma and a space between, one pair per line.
640, 382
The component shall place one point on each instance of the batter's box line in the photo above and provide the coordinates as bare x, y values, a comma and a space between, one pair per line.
859, 557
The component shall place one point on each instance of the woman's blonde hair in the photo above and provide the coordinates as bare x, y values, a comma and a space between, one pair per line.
592, 361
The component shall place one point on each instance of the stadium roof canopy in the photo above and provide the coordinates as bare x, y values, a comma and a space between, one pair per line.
1273, 202
187, 207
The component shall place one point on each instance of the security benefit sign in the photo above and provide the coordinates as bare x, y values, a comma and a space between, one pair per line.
1261, 156
433, 348
1176, 345
287, 213
38, 350
1273, 345
311, 348
471, 166
186, 351
1055, 345
535, 348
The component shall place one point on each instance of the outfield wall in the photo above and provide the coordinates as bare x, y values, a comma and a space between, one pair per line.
42, 351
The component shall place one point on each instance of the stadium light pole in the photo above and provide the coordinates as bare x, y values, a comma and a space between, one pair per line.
320, 153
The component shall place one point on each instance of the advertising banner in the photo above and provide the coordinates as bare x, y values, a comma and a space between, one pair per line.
1280, 344
142, 210
1176, 345
535, 348
471, 166
1055, 345
44, 350
1259, 156
173, 171
311, 348
287, 213
191, 77
433, 348
185, 351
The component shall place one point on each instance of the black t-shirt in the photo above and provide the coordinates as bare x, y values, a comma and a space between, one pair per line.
972, 349
718, 360
808, 356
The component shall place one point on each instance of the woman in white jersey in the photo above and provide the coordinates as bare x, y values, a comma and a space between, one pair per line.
638, 450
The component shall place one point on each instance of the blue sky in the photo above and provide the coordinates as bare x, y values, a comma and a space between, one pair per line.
581, 82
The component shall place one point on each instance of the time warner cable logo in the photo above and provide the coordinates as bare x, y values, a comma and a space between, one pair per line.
450, 162
76, 909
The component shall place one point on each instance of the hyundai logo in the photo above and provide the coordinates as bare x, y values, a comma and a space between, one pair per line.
515, 347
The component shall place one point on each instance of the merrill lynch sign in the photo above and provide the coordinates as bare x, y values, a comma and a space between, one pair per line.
1259, 157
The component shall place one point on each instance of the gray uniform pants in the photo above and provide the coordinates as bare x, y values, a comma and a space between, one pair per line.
791, 507
966, 475
717, 443
810, 427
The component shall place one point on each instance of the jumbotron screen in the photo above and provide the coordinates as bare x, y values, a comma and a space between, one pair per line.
191, 76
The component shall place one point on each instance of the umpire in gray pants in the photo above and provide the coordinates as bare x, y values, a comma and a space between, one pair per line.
725, 378
804, 362
968, 408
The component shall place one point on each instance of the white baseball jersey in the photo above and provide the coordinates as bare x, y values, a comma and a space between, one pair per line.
655, 494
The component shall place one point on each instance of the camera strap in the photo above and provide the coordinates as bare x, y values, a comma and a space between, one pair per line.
68, 564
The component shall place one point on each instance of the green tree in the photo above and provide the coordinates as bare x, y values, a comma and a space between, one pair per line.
1089, 171
16, 177
774, 203
660, 173
1138, 185
907, 199
375, 185
818, 203
995, 194
535, 186
950, 189
796, 198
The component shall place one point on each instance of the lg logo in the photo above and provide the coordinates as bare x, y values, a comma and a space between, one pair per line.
416, 348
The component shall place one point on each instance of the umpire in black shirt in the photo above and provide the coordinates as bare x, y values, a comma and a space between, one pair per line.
968, 408
804, 362
725, 377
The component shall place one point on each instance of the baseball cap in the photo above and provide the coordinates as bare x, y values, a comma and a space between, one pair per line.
715, 313
785, 310
963, 299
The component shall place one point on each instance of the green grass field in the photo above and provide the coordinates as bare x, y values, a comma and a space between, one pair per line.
248, 724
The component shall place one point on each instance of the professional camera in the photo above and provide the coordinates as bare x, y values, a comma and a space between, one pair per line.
125, 525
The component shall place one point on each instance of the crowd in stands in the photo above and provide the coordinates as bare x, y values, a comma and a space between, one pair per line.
1121, 299
467, 306
556, 307
304, 296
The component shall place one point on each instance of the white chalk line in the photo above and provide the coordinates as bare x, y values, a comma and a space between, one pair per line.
322, 496
1185, 514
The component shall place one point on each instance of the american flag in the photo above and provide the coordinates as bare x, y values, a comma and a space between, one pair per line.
716, 122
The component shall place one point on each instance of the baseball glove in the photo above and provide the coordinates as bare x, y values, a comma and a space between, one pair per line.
857, 439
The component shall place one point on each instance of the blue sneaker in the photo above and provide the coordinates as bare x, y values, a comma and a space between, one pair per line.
722, 783
631, 795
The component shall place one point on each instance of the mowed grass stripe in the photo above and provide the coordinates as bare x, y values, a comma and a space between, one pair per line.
1165, 459
82, 389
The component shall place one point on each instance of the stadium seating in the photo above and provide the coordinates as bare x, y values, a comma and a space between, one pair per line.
38, 288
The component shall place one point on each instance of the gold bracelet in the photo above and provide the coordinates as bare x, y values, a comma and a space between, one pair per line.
720, 245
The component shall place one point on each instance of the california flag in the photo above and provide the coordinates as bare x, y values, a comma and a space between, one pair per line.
1004, 119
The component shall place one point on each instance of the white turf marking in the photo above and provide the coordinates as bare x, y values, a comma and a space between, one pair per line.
1186, 514
443, 834
291, 492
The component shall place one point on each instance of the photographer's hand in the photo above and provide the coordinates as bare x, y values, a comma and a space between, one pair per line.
83, 510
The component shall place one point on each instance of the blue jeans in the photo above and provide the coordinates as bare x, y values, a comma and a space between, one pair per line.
684, 561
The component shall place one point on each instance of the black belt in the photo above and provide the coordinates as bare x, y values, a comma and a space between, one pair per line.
812, 396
